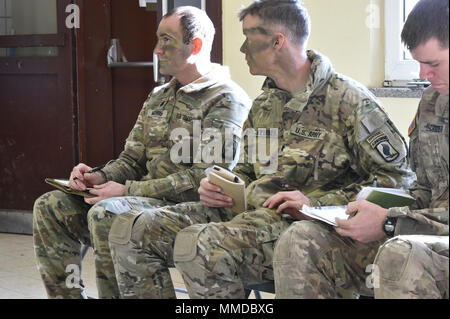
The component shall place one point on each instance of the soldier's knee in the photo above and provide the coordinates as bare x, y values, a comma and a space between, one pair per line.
187, 242
96, 213
392, 258
282, 251
125, 227
301, 239
45, 205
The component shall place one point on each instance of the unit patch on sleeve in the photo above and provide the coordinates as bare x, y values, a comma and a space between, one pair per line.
380, 142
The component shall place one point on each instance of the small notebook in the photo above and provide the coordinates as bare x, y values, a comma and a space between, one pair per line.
386, 197
63, 185
230, 184
327, 214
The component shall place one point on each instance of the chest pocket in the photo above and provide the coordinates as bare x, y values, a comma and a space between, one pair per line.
313, 156
156, 126
185, 113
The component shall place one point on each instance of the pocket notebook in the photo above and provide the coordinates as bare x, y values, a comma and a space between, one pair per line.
230, 184
386, 197
63, 185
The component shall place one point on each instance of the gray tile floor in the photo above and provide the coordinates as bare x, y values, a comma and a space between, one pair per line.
20, 279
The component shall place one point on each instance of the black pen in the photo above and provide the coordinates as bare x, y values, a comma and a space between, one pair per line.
96, 169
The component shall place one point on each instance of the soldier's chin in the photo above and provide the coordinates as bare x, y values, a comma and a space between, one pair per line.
441, 88
163, 71
252, 71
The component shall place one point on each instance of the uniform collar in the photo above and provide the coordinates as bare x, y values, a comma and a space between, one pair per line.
219, 73
321, 72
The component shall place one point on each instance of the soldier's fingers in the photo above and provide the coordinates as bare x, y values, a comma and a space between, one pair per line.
343, 224
95, 191
76, 174
205, 184
343, 232
77, 184
286, 205
274, 200
101, 186
93, 200
211, 202
352, 207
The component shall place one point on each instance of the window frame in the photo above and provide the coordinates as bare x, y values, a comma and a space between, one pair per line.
396, 68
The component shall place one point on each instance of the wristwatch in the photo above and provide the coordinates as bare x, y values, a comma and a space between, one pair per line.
389, 226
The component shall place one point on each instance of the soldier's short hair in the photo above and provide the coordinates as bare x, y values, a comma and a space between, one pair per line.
195, 24
291, 15
428, 19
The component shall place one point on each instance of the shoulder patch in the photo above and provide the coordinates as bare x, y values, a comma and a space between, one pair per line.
381, 143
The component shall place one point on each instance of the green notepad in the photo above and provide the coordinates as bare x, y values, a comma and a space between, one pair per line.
386, 197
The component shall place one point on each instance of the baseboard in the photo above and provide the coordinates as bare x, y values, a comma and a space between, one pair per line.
16, 221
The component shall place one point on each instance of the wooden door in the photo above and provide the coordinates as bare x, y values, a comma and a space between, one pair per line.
37, 100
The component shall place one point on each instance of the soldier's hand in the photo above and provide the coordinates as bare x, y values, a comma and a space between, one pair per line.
288, 203
366, 226
104, 191
212, 196
80, 179
76, 179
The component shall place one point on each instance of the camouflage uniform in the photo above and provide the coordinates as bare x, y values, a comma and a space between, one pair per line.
62, 222
406, 266
333, 138
415, 265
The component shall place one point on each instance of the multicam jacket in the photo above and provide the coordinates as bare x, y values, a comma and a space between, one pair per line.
331, 139
429, 159
146, 166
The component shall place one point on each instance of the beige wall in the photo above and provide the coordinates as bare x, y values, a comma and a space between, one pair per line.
340, 31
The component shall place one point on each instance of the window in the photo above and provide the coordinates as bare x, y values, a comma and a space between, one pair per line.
400, 68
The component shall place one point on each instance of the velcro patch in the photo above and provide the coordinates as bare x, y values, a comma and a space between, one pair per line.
316, 133
158, 113
432, 128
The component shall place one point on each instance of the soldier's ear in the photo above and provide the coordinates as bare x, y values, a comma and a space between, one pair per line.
278, 40
197, 46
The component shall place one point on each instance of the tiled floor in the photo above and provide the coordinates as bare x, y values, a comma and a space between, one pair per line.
20, 279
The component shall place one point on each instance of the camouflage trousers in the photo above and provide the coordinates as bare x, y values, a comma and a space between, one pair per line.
61, 224
218, 259
413, 267
142, 242
313, 261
